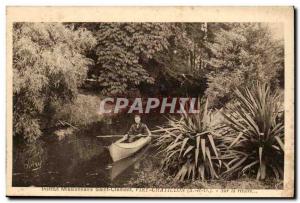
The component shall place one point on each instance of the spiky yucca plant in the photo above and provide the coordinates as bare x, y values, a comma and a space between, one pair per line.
256, 142
190, 147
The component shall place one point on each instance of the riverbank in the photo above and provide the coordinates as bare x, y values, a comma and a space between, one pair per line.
86, 162
158, 179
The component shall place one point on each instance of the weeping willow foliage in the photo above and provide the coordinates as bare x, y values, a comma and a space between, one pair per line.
49, 65
255, 143
190, 147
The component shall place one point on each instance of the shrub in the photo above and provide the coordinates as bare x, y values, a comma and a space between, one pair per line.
255, 142
83, 111
190, 146
240, 54
49, 65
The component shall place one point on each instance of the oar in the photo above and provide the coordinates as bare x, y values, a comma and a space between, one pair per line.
108, 136
104, 136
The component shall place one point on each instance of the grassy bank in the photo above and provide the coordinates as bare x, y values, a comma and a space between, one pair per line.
158, 179
81, 112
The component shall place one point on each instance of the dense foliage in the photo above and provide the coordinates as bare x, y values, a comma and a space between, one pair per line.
249, 140
257, 132
52, 61
130, 55
81, 112
49, 64
240, 54
190, 146
120, 50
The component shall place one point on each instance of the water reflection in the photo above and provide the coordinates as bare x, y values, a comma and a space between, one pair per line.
74, 161
33, 157
80, 159
120, 166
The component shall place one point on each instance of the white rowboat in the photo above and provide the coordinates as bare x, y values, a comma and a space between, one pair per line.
120, 166
120, 150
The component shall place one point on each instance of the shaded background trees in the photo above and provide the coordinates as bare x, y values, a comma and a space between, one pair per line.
135, 55
241, 54
54, 62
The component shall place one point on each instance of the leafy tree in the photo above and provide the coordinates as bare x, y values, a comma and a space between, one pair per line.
121, 50
48, 67
240, 54
182, 64
133, 55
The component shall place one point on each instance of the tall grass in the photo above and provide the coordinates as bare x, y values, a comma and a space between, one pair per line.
189, 145
255, 144
81, 112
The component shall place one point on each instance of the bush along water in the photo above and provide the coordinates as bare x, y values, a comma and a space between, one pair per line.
190, 147
255, 142
247, 141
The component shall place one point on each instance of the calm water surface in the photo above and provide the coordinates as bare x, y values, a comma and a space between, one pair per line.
80, 159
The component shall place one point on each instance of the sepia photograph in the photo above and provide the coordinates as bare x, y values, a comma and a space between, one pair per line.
137, 106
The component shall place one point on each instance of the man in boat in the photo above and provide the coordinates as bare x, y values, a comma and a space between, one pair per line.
137, 129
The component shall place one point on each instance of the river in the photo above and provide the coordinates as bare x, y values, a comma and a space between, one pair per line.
80, 159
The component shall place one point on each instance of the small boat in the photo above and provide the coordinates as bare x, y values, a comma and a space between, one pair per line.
120, 150
120, 166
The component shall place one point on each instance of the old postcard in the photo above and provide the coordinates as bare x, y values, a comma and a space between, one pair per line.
150, 101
